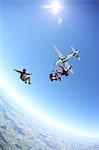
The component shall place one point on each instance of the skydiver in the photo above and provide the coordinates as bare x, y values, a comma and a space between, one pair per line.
64, 71
24, 76
54, 77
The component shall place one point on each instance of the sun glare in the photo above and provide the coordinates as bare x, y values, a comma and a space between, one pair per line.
54, 6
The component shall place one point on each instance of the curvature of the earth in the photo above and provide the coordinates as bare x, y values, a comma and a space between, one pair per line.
17, 132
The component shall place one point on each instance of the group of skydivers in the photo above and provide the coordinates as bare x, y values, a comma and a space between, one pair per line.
24, 76
59, 73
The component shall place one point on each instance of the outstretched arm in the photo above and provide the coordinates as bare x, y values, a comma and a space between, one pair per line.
28, 73
61, 67
52, 71
17, 71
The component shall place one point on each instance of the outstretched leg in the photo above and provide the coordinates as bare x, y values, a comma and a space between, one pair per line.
69, 69
59, 78
28, 79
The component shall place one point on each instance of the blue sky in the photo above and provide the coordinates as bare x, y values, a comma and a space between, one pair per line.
27, 34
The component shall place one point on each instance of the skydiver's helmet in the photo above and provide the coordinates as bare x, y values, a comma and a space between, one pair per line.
24, 70
50, 76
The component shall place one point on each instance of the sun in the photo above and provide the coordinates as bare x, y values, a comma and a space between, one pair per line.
54, 6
